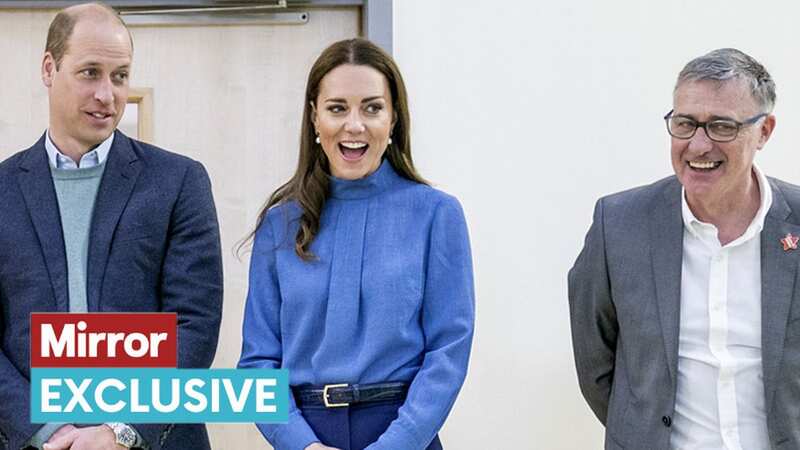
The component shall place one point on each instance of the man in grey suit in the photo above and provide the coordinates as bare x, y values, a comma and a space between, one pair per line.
685, 301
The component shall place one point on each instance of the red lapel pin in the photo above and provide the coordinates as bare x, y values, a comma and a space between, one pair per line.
790, 242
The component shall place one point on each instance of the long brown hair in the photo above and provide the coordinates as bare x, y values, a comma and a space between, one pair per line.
309, 184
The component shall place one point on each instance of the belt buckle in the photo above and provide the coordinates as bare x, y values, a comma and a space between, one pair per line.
325, 390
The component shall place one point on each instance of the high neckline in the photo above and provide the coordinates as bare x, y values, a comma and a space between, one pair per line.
369, 186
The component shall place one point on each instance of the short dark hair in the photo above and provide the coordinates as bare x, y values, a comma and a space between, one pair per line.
63, 25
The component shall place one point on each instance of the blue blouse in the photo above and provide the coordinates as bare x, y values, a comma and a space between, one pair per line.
390, 298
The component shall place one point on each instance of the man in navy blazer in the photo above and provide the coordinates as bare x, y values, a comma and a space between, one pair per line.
92, 220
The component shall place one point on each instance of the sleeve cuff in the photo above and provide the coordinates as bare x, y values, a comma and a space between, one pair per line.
44, 433
295, 435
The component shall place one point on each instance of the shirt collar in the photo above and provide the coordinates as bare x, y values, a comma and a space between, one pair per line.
695, 226
92, 158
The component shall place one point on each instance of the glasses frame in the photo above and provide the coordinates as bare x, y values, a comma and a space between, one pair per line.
703, 125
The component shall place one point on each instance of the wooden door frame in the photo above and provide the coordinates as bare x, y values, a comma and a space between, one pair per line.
143, 98
376, 15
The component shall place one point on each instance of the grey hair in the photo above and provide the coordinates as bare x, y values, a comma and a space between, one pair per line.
729, 63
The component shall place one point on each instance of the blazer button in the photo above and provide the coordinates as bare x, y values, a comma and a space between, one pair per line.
667, 421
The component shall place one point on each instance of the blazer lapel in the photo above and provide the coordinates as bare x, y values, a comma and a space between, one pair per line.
778, 274
120, 175
666, 249
36, 183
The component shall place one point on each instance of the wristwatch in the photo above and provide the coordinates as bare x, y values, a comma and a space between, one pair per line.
126, 437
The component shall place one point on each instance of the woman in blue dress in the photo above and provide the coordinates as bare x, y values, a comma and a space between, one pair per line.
361, 274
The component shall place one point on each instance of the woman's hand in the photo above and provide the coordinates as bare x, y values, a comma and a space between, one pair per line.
318, 446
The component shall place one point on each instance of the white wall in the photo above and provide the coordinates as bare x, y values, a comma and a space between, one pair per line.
528, 112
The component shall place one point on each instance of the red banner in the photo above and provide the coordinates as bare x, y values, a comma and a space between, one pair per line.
104, 340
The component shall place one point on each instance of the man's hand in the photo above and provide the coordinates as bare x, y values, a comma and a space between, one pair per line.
62, 431
318, 446
90, 438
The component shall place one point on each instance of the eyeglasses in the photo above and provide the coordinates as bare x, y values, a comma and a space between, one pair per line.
718, 130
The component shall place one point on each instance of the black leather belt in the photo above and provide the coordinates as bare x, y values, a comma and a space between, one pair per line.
339, 395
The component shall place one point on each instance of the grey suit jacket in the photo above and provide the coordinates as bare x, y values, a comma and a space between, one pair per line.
624, 297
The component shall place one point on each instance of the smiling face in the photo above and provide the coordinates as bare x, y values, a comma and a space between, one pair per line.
353, 117
713, 171
89, 88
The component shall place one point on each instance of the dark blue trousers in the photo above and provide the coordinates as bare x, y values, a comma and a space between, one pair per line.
355, 427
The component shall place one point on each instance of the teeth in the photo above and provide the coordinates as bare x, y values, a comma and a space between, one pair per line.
99, 116
703, 164
354, 145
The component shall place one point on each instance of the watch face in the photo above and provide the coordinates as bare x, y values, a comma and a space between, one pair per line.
125, 436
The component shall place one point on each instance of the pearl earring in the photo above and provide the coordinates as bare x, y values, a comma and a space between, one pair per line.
390, 140
317, 139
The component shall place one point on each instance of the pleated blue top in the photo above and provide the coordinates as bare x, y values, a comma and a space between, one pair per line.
390, 297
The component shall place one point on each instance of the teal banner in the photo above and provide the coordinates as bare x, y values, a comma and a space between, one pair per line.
159, 395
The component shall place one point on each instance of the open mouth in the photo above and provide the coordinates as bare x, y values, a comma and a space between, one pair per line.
99, 116
704, 166
352, 151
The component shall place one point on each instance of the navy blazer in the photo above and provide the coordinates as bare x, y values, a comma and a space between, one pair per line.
154, 247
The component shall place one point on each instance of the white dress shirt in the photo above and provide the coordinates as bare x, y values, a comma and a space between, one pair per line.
720, 391
92, 158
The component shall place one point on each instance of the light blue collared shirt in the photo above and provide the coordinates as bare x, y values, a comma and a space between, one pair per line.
92, 158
